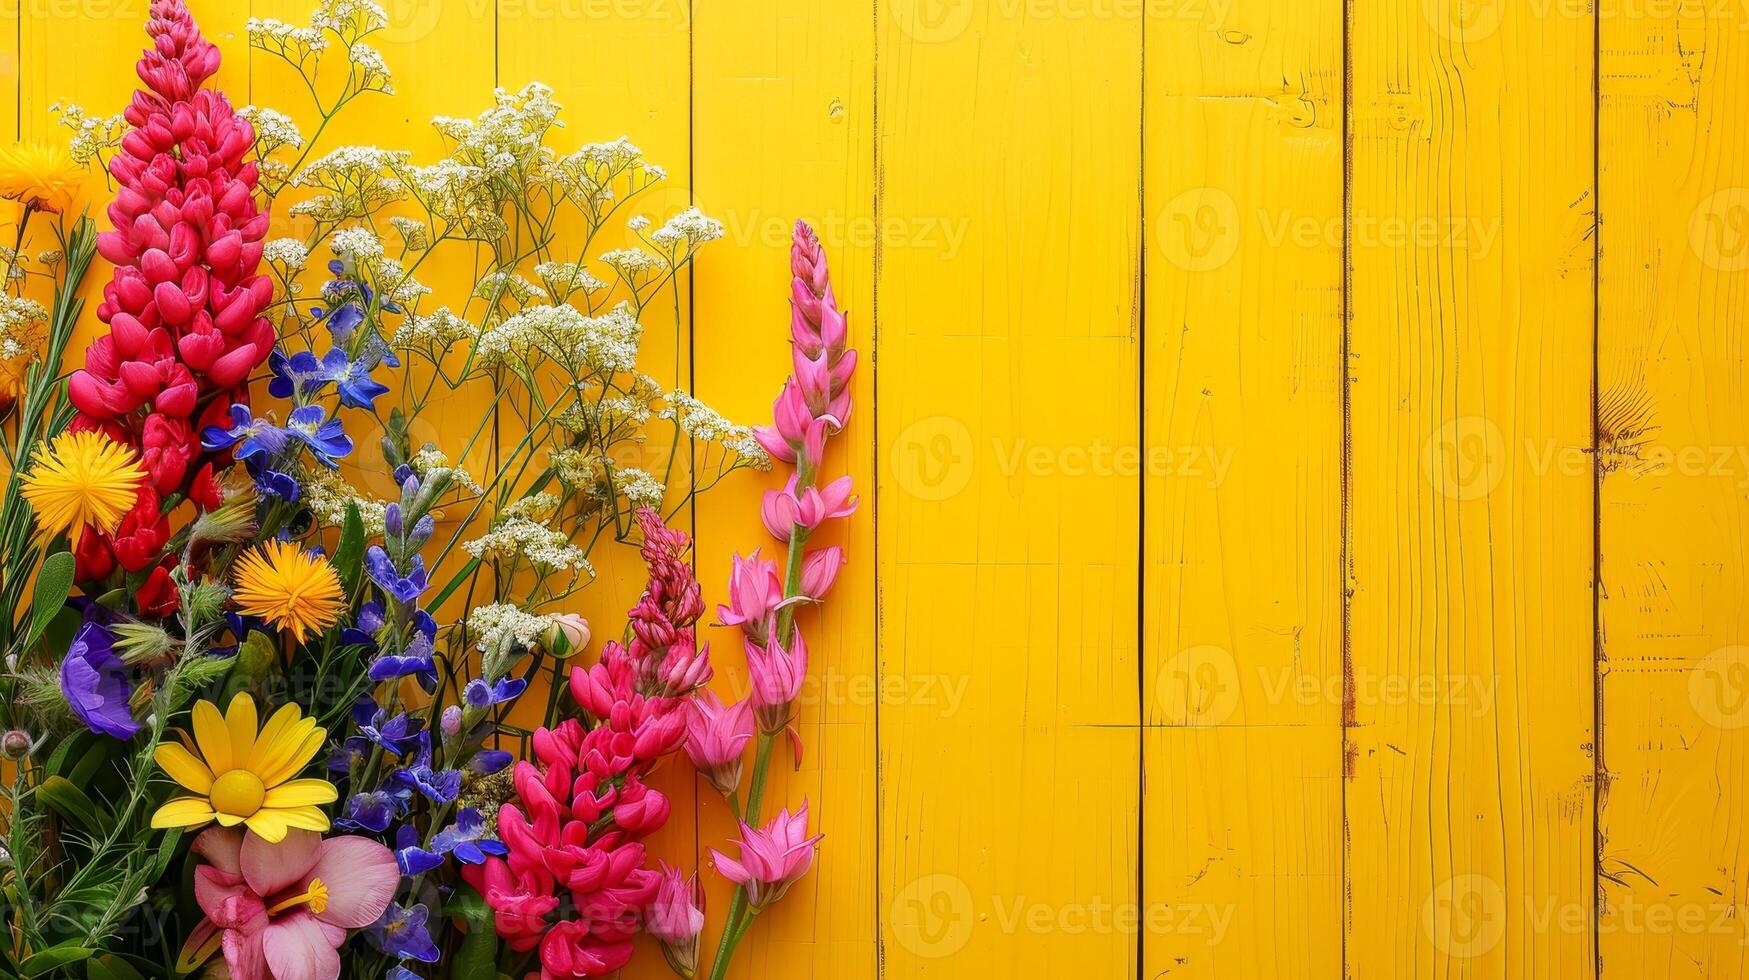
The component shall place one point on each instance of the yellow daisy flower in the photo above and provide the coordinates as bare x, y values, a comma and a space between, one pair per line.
79, 479
296, 590
240, 776
40, 176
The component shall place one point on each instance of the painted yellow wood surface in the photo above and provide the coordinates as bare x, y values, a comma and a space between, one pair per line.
1221, 602
1673, 419
1243, 533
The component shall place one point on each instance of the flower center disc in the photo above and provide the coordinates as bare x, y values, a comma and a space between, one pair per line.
238, 793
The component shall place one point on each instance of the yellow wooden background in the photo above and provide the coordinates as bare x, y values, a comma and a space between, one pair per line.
1303, 444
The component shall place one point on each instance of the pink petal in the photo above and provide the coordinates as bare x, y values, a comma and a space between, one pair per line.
225, 899
220, 846
728, 867
243, 955
361, 876
297, 948
271, 868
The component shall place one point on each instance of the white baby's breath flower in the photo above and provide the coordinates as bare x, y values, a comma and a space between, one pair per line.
413, 232
360, 245
434, 333
705, 424
632, 264
686, 231
372, 67
287, 252
431, 459
92, 135
606, 344
327, 495
296, 43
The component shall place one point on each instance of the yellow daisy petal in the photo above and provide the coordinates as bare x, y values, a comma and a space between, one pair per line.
271, 825
300, 792
277, 725
240, 720
213, 738
305, 818
187, 811
228, 819
279, 762
184, 767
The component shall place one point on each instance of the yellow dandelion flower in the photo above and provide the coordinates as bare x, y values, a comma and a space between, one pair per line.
241, 776
295, 590
79, 479
40, 176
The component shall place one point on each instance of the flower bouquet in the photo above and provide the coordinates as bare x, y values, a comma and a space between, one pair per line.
271, 649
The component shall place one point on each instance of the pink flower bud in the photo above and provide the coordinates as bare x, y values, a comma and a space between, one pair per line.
754, 594
777, 675
820, 570
716, 739
675, 918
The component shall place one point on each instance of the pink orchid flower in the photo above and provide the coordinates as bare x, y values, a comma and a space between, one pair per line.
716, 739
777, 675
755, 592
772, 858
785, 510
281, 911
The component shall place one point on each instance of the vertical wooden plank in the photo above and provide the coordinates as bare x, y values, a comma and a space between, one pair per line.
1673, 424
783, 128
1243, 538
1008, 552
1469, 804
624, 69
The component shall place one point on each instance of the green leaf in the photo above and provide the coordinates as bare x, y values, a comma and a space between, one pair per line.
454, 584
62, 796
56, 957
53, 584
479, 953
349, 553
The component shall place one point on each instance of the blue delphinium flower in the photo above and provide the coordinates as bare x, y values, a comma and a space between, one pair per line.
469, 839
479, 694
251, 436
413, 859
401, 933
373, 811
402, 588
437, 785
326, 438
488, 761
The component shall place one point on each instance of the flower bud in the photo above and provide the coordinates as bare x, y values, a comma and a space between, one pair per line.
452, 721
15, 744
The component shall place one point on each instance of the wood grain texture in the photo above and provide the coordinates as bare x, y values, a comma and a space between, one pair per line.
1008, 818
783, 128
1674, 491
1469, 804
1242, 540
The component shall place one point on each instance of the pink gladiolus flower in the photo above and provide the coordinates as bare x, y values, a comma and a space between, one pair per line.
784, 510
675, 918
716, 739
820, 570
778, 675
755, 592
772, 859
281, 911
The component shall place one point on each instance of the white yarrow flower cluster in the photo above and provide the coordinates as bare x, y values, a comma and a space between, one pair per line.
19, 319
434, 333
490, 624
686, 231
705, 424
430, 459
287, 252
371, 66
296, 43
414, 234
92, 135
327, 494
516, 538
274, 130
639, 488
606, 344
